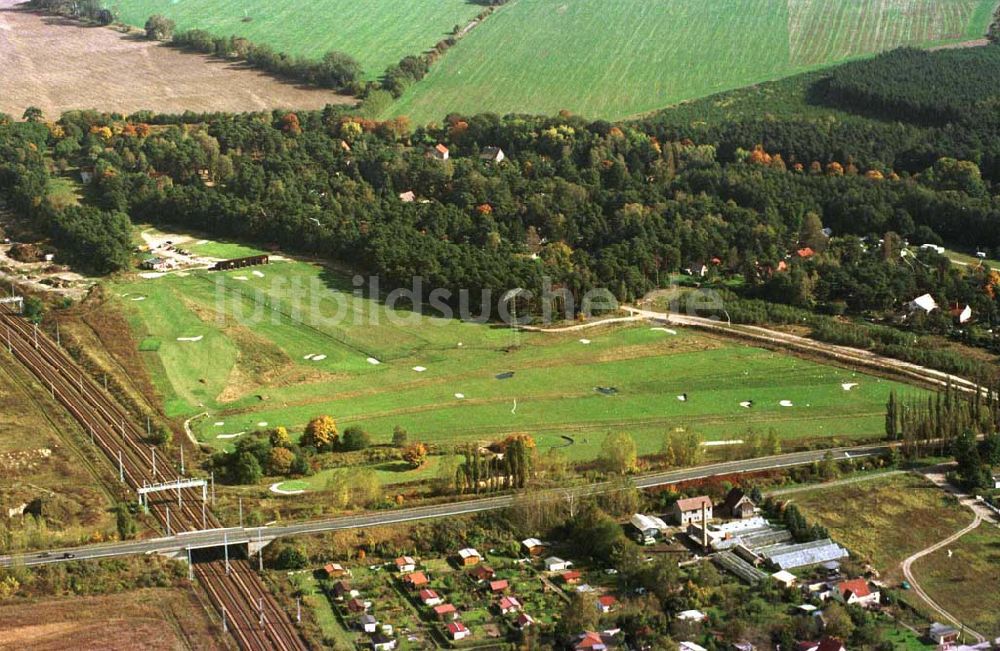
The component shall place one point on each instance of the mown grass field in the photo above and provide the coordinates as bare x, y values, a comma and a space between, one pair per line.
377, 33
883, 521
616, 58
284, 367
967, 583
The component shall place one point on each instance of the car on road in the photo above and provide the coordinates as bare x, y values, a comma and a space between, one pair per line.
44, 555
69, 555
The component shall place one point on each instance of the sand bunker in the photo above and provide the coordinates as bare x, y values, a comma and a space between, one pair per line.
262, 423
259, 274
585, 341
149, 275
278, 491
683, 397
666, 330
729, 442
240, 278
318, 358
230, 436
373, 361
191, 339
419, 369
138, 298
847, 386
460, 396
220, 423
746, 404
786, 403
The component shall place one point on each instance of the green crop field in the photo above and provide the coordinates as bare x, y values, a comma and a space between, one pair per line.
377, 33
284, 367
616, 58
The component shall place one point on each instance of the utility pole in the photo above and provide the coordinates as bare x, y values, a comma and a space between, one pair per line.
225, 546
168, 520
225, 627
260, 551
213, 488
241, 512
260, 603
190, 566
153, 449
182, 460
298, 609
203, 513
121, 467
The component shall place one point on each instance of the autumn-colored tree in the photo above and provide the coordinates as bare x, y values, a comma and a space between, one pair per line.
415, 454
279, 438
290, 124
320, 433
834, 168
874, 175
759, 157
279, 461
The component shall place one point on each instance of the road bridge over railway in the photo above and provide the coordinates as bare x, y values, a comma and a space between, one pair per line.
253, 539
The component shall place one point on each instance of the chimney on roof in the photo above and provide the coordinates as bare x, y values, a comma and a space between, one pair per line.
704, 526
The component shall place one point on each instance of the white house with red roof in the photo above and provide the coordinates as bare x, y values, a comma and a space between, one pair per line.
690, 509
458, 631
857, 591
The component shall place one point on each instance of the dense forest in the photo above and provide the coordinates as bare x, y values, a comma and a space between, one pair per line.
585, 203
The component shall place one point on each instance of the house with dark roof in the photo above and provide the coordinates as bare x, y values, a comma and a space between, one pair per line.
482, 573
524, 620
738, 505
368, 623
492, 155
382, 642
430, 598
942, 634
688, 510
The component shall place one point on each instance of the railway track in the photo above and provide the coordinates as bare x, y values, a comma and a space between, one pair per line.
251, 613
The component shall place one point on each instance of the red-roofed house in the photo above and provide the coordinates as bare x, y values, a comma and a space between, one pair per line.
688, 510
430, 598
509, 605
406, 564
482, 573
334, 570
499, 586
415, 579
440, 152
570, 577
458, 631
606, 603
826, 644
805, 252
356, 606
524, 620
445, 610
857, 591
591, 641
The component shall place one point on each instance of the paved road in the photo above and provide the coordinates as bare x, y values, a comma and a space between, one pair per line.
178, 544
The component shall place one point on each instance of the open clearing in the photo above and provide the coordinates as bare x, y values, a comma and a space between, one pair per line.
885, 520
966, 582
279, 356
378, 33
154, 619
59, 65
39, 469
616, 58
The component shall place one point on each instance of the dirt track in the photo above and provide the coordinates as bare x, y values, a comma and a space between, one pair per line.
58, 65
